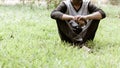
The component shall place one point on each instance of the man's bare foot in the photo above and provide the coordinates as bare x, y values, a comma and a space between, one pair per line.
87, 49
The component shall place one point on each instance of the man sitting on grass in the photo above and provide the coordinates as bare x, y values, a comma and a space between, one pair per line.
77, 20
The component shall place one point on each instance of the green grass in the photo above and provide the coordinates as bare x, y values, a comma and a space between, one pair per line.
29, 39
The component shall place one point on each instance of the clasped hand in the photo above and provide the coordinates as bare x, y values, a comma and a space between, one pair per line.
80, 20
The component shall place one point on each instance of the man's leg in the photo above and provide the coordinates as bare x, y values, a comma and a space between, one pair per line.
90, 33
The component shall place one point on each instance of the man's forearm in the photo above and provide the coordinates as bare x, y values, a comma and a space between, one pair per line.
67, 17
95, 16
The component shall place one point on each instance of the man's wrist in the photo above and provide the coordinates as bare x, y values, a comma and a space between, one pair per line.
72, 18
86, 17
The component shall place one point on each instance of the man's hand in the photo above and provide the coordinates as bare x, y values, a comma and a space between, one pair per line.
80, 20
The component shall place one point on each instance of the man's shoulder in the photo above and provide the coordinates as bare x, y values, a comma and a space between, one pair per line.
66, 2
86, 2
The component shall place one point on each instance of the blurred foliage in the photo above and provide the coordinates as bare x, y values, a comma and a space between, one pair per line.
49, 3
115, 2
52, 3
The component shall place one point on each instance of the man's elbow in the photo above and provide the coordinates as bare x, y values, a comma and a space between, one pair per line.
52, 15
103, 14
56, 15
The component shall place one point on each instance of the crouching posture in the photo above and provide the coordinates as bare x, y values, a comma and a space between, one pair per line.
77, 20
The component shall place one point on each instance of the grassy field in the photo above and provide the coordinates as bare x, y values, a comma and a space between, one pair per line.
29, 39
